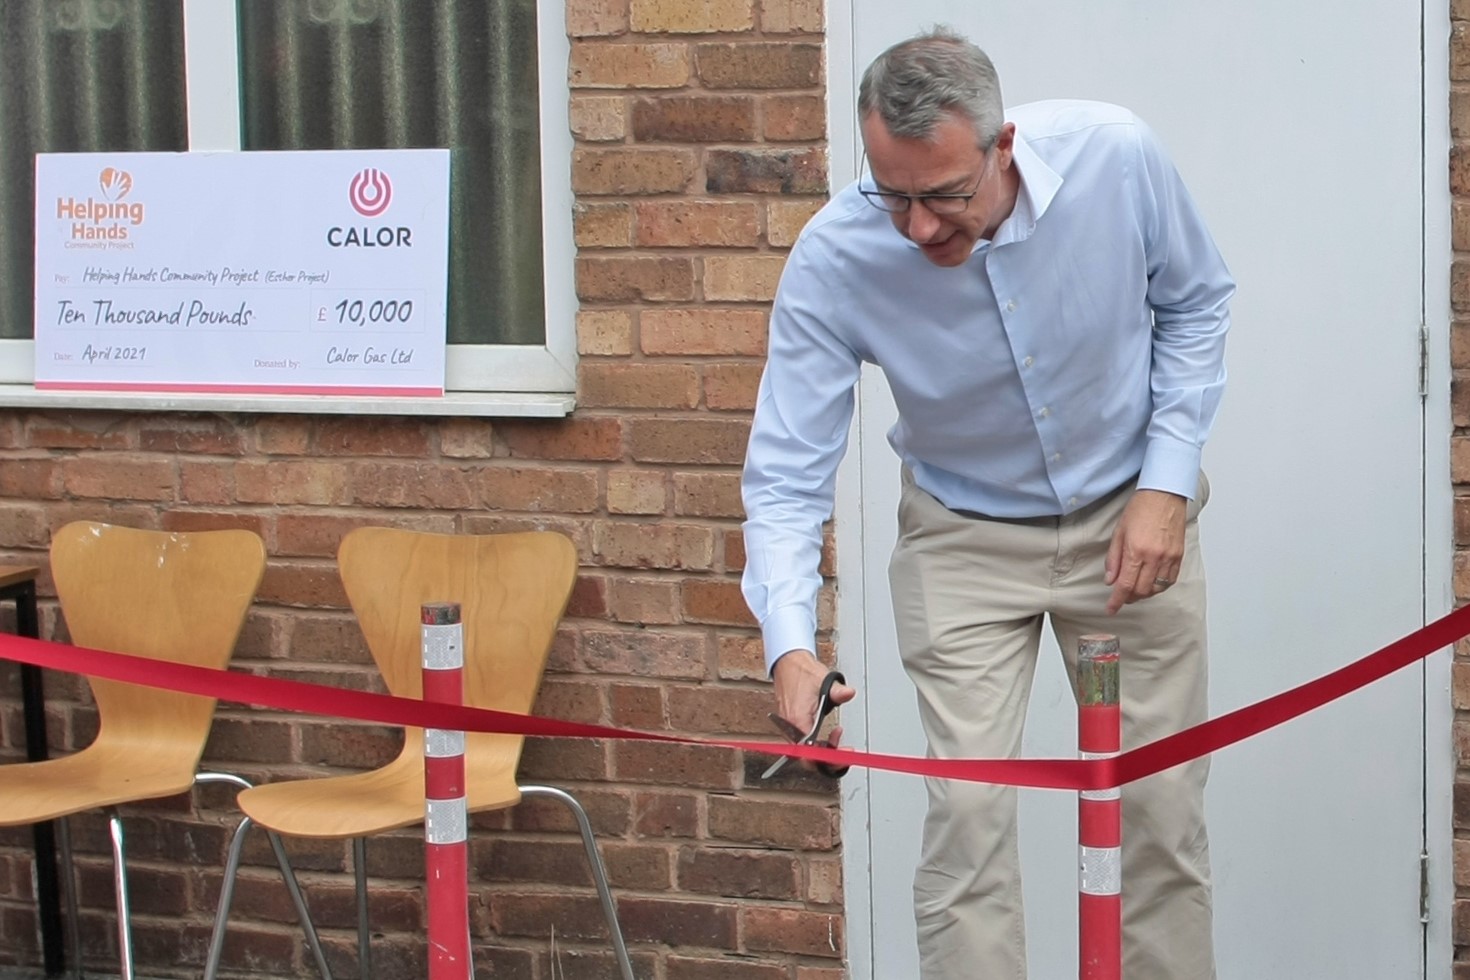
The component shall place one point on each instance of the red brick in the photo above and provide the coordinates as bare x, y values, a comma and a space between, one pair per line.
119, 477
637, 491
739, 873
703, 331
824, 882
283, 435
292, 482
206, 482
664, 224
187, 434
761, 66
299, 584
766, 171
563, 759
792, 931
82, 430
580, 438
691, 16
637, 385
657, 814
603, 65
24, 526
631, 170
637, 706
669, 764
31, 477
741, 658
662, 545
679, 923
640, 867
737, 278
599, 118
715, 601
791, 16
632, 278
368, 436
570, 701
603, 225
590, 18
572, 491
708, 495
720, 710
695, 119
731, 387
538, 861
645, 654
741, 967
606, 332
535, 914
786, 219
415, 484
792, 118
690, 440
769, 823
643, 601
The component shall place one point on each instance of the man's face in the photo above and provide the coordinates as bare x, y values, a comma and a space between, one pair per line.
950, 162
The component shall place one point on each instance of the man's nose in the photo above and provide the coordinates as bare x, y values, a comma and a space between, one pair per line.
923, 223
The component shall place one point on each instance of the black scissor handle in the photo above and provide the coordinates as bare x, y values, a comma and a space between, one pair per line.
825, 704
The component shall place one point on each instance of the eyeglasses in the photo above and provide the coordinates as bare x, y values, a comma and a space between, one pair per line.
896, 203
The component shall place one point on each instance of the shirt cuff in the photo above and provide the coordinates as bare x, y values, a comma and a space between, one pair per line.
785, 629
1170, 466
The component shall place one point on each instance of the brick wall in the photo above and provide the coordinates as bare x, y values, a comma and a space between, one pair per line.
1460, 456
700, 153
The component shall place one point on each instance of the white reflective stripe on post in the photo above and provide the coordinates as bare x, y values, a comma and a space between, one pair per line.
439, 744
443, 647
1112, 792
1101, 871
445, 821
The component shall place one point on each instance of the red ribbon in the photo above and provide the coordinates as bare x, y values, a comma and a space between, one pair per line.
1071, 774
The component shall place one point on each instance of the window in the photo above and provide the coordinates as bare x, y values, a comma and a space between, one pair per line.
317, 74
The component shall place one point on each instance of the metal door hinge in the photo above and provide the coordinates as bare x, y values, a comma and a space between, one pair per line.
1424, 887
1423, 362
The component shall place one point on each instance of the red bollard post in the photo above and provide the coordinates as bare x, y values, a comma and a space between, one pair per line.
1099, 813
446, 818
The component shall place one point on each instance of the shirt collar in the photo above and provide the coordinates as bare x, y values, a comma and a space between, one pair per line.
1039, 185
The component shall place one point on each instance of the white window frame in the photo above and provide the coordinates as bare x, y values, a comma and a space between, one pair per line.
479, 379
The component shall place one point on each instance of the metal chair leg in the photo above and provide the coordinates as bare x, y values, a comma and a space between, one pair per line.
599, 873
364, 931
231, 873
120, 884
69, 889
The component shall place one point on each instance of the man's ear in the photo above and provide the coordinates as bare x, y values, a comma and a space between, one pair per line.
1005, 142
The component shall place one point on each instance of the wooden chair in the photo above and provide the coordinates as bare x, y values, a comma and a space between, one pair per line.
176, 597
512, 590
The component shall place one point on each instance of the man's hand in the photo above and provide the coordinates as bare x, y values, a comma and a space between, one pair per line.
1147, 547
798, 676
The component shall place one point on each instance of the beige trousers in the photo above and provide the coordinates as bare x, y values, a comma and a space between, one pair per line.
969, 596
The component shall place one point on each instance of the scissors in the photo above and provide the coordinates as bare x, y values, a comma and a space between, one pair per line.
825, 704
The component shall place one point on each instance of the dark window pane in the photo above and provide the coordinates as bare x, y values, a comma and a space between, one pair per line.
78, 75
461, 74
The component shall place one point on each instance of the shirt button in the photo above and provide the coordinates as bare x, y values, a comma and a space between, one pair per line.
1044, 412
1028, 362
1056, 457
1071, 501
1011, 306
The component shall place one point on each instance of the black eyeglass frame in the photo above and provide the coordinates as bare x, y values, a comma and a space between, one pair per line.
881, 199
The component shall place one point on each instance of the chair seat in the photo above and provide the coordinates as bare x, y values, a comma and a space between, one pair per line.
366, 803
103, 774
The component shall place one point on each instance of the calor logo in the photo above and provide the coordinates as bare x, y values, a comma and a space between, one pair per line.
115, 183
371, 192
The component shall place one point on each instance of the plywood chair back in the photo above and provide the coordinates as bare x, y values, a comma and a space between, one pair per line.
181, 597
512, 590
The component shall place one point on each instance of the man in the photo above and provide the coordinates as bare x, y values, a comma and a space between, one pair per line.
1050, 313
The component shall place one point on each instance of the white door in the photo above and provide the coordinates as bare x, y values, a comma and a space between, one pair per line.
1298, 128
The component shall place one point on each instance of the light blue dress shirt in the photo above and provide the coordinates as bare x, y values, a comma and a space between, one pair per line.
1080, 348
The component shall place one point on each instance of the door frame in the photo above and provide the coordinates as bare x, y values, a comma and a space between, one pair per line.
1436, 494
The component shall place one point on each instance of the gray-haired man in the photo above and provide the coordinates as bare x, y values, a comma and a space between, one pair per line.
1050, 312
